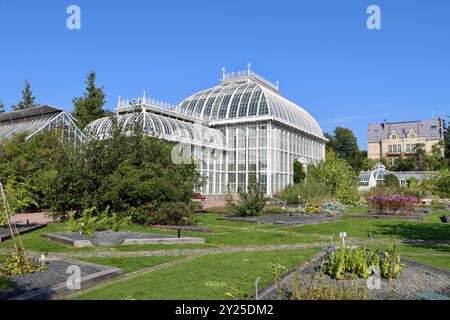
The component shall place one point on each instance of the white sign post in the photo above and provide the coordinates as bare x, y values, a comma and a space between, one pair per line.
343, 235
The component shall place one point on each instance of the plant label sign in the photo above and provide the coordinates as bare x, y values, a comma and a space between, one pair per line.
343, 235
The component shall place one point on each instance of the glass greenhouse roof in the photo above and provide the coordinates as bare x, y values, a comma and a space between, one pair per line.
245, 95
160, 126
36, 120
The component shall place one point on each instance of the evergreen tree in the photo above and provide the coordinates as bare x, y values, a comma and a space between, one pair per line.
299, 172
89, 107
28, 100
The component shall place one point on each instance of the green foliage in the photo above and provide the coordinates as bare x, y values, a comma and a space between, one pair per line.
302, 193
2, 107
91, 220
391, 181
421, 161
5, 282
344, 143
337, 178
313, 208
18, 263
441, 183
346, 262
89, 107
28, 100
299, 172
174, 213
249, 203
390, 264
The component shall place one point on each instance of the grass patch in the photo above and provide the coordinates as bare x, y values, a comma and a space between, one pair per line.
131, 264
442, 262
206, 277
431, 229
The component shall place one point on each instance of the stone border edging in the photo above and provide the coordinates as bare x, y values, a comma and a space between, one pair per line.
87, 244
387, 217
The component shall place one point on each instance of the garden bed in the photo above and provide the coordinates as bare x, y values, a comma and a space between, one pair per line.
286, 219
52, 282
5, 234
183, 228
104, 238
415, 282
413, 217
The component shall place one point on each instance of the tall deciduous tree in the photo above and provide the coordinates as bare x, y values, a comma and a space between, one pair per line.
447, 141
2, 107
89, 107
28, 100
344, 143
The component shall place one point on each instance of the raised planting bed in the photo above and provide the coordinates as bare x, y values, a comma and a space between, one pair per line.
183, 228
52, 282
413, 217
286, 219
104, 238
415, 280
5, 234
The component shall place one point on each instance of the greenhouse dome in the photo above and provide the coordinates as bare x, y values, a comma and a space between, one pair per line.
244, 95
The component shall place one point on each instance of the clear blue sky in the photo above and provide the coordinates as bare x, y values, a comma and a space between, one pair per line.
321, 51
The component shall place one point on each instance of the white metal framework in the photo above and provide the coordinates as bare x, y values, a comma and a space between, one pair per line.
39, 119
237, 128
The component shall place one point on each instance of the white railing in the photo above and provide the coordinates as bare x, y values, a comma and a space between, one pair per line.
144, 100
249, 73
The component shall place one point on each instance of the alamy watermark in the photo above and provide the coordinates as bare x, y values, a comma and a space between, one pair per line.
73, 22
374, 20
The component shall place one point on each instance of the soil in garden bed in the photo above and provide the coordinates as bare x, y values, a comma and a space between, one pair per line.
415, 278
21, 228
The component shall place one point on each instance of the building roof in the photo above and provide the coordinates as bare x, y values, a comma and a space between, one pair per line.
246, 95
32, 120
423, 129
160, 126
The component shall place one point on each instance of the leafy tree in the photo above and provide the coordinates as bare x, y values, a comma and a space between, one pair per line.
28, 100
299, 172
338, 178
89, 107
2, 107
391, 181
344, 143
442, 183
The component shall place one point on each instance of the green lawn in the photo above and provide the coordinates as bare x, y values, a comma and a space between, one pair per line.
205, 277
431, 229
131, 264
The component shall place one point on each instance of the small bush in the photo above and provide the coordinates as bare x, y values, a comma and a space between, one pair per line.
18, 264
334, 206
313, 208
390, 264
178, 214
249, 203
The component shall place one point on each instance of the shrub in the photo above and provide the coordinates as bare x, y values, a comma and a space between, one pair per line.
178, 214
334, 206
441, 183
249, 203
91, 220
313, 208
302, 193
391, 180
18, 264
383, 204
5, 282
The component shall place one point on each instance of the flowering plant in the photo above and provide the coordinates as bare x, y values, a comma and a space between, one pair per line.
384, 204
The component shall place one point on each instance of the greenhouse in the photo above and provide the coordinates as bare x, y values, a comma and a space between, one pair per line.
37, 120
240, 127
375, 177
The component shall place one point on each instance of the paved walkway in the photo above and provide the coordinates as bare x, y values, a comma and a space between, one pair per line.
37, 218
